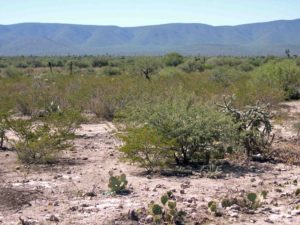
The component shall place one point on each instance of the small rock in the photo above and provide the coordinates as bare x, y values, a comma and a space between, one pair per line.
149, 219
160, 186
233, 214
132, 215
185, 185
18, 168
234, 207
268, 220
295, 212
90, 194
54, 218
28, 221
74, 208
182, 192
57, 176
85, 158
190, 200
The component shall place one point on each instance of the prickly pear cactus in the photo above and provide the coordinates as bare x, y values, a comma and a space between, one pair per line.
117, 184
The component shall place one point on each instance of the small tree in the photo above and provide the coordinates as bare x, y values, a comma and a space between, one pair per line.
146, 66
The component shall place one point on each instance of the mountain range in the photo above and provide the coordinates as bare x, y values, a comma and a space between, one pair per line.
268, 38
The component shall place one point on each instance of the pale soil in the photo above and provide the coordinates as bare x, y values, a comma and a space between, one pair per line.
35, 193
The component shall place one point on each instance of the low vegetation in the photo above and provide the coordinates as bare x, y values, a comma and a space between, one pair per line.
172, 106
40, 141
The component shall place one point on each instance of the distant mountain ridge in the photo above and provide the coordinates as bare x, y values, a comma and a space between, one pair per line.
269, 38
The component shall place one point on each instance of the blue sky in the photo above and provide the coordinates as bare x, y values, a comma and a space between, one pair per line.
147, 12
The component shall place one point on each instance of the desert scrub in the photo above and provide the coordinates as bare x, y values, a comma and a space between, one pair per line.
197, 133
40, 142
144, 146
111, 95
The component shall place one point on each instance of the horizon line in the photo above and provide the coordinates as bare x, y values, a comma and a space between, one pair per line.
148, 25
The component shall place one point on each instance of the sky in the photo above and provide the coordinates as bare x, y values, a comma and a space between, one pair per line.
127, 13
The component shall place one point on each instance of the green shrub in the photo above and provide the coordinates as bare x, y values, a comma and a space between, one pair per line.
147, 148
173, 59
99, 62
82, 64
192, 65
200, 133
246, 67
39, 142
111, 71
284, 74
12, 72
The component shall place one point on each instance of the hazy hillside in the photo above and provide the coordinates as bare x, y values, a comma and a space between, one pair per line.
63, 39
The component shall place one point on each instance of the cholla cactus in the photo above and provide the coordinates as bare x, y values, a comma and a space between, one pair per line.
254, 125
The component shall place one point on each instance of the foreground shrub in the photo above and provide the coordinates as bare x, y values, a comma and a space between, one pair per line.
199, 133
146, 147
41, 141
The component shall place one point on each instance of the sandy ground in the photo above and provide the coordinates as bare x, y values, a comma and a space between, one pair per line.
60, 194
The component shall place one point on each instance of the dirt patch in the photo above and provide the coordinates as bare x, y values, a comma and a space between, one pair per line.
12, 198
